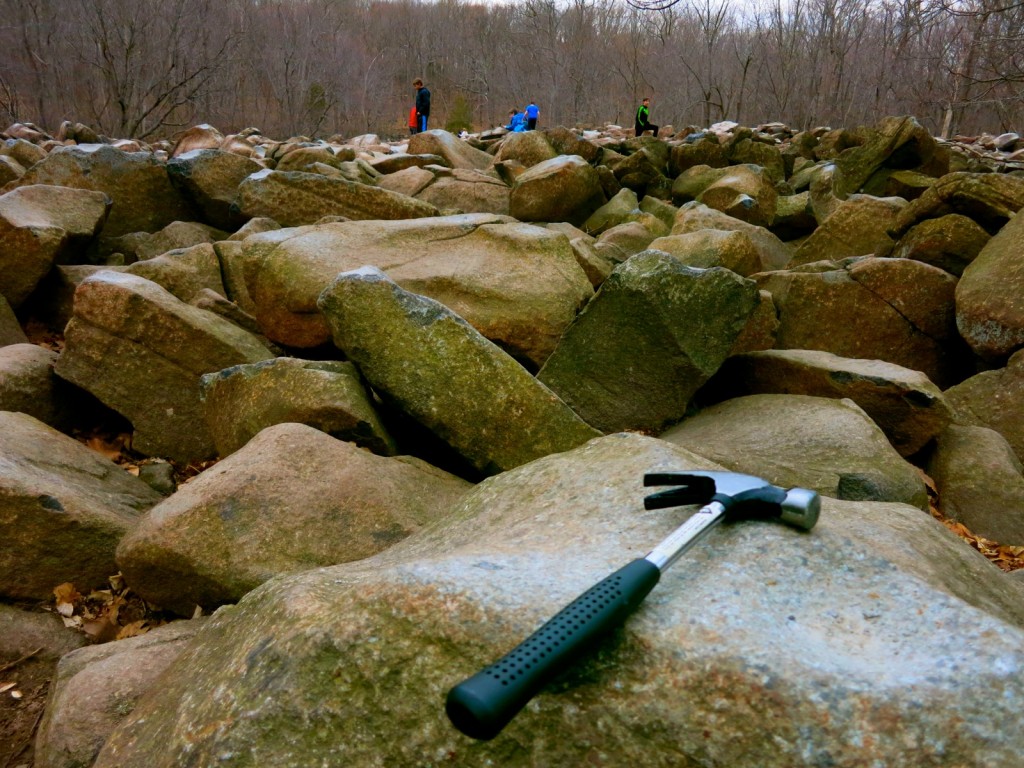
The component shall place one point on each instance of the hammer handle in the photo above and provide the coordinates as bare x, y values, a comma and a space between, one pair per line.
483, 704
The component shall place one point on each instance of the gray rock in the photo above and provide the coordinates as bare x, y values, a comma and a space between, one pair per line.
528, 148
856, 227
22, 632
10, 329
184, 272
10, 170
900, 142
28, 385
993, 399
330, 396
629, 238
751, 643
410, 181
980, 482
842, 311
136, 182
40, 226
465, 190
744, 192
828, 445
949, 242
293, 198
456, 152
96, 688
396, 163
141, 351
209, 179
519, 285
635, 356
141, 246
622, 208
293, 498
434, 366
693, 217
564, 188
990, 295
708, 248
63, 509
908, 408
991, 199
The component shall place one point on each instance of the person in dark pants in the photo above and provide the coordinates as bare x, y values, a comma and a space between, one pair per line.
532, 113
422, 105
643, 121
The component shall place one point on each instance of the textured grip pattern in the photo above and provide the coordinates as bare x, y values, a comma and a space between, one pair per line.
483, 704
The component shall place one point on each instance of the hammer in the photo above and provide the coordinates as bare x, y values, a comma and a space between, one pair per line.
482, 705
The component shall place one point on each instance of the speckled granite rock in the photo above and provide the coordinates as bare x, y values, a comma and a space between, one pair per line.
763, 646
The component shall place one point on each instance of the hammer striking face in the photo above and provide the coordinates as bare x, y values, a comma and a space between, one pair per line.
483, 704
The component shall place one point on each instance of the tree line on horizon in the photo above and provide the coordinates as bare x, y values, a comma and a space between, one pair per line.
148, 68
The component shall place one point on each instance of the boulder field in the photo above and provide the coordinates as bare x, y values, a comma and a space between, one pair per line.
419, 384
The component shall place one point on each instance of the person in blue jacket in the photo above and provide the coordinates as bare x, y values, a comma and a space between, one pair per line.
532, 113
516, 121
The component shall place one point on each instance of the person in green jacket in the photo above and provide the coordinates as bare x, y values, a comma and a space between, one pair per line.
643, 121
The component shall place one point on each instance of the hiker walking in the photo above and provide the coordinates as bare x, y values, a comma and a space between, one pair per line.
643, 122
532, 113
422, 105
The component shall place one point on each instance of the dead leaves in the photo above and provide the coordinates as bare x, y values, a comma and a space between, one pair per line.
1008, 558
105, 614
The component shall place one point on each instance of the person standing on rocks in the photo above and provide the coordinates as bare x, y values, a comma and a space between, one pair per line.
532, 113
422, 105
643, 119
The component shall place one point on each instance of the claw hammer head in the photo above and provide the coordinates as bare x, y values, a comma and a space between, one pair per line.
740, 495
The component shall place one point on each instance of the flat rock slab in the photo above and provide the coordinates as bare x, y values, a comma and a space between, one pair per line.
762, 646
827, 445
429, 362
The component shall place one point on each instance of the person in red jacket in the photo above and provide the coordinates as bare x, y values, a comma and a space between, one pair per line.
413, 122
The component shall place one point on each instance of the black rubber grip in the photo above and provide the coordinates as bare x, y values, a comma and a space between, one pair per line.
483, 704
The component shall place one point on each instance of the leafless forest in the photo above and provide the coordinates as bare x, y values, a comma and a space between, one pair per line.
146, 68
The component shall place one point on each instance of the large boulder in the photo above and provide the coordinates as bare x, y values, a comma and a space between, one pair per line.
949, 242
141, 351
140, 246
293, 498
708, 248
429, 362
564, 188
993, 399
330, 395
843, 311
455, 152
694, 216
980, 482
469, 191
42, 225
762, 647
63, 510
990, 295
908, 407
209, 179
184, 272
655, 332
856, 227
830, 446
896, 142
519, 285
294, 198
745, 192
528, 148
991, 199
143, 199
